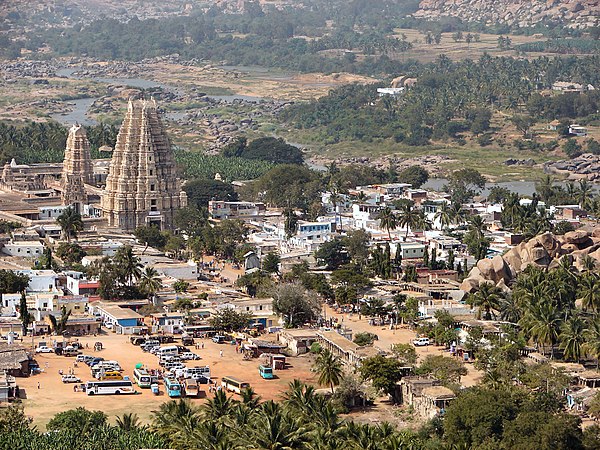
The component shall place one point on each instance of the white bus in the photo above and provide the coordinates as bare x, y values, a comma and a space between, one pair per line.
115, 387
143, 378
234, 385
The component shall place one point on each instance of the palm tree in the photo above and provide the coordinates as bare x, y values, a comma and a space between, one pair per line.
584, 193
588, 263
509, 309
458, 213
276, 429
300, 397
70, 223
128, 421
572, 337
477, 226
592, 340
444, 215
545, 322
329, 368
487, 298
129, 264
589, 292
149, 282
388, 221
409, 217
176, 420
218, 407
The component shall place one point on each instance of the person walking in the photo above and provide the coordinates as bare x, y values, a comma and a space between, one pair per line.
221, 353
38, 384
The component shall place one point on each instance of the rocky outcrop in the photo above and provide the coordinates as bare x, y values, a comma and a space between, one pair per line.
585, 166
522, 13
545, 250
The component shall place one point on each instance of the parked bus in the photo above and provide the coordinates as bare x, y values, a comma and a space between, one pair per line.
265, 372
109, 387
142, 378
172, 387
191, 388
234, 385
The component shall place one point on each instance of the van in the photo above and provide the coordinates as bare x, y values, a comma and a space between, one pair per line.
167, 359
169, 350
422, 341
110, 375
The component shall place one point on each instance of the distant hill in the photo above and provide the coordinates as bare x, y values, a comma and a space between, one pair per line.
522, 13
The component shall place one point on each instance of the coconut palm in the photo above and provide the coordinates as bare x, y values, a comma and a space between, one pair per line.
588, 264
149, 282
572, 337
218, 407
388, 221
128, 421
592, 340
329, 368
487, 298
409, 217
458, 213
70, 223
584, 193
276, 429
300, 397
444, 215
176, 420
589, 292
545, 323
129, 264
509, 309
477, 226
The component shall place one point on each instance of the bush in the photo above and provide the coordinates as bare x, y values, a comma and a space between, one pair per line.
364, 339
315, 348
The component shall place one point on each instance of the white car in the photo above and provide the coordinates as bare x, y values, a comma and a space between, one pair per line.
44, 349
70, 379
189, 355
422, 341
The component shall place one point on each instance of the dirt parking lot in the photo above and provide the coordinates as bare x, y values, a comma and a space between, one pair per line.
53, 396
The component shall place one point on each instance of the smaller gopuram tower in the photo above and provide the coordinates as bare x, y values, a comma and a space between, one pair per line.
77, 168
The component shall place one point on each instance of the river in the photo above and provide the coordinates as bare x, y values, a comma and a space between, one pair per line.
526, 188
79, 108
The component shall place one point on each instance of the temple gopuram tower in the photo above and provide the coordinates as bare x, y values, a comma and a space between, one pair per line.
142, 187
77, 168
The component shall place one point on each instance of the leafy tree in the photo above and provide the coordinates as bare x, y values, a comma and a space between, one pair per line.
79, 419
199, 191
24, 315
443, 368
572, 148
464, 184
364, 339
13, 418
70, 253
150, 236
295, 304
383, 373
332, 254
228, 319
269, 149
416, 176
406, 353
181, 286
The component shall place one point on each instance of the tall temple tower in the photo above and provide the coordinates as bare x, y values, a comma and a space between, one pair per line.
77, 168
142, 187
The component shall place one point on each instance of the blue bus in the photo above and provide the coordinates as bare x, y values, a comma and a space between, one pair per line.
265, 372
172, 387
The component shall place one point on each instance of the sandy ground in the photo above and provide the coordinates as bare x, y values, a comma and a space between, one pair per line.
53, 396
403, 335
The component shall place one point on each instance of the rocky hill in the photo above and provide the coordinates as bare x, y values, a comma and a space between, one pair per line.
522, 13
544, 251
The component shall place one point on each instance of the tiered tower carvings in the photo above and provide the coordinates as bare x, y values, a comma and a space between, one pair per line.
142, 187
77, 168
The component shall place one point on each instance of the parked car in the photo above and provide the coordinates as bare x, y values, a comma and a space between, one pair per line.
70, 379
44, 349
422, 341
219, 339
189, 355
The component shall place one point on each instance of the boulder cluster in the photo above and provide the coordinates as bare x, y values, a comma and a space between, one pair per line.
573, 13
545, 251
584, 166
